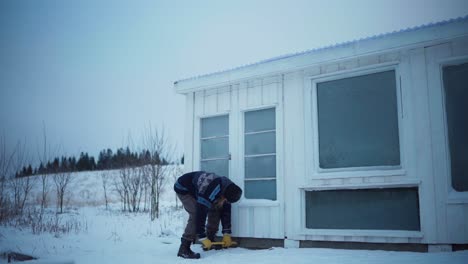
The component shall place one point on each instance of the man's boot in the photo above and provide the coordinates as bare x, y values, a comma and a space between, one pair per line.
211, 236
185, 251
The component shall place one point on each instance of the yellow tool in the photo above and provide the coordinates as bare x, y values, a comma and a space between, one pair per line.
220, 245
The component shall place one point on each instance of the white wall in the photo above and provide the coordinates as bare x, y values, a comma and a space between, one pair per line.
251, 218
424, 162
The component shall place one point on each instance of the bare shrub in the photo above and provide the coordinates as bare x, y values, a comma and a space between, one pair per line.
20, 187
61, 179
105, 183
160, 150
44, 158
6, 166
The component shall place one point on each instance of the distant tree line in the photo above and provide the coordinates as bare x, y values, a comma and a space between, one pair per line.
107, 160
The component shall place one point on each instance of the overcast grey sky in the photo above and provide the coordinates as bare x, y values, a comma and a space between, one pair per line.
96, 71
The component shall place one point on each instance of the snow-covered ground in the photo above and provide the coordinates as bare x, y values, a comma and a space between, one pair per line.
110, 236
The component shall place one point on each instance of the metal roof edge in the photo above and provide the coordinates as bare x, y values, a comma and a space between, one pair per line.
317, 50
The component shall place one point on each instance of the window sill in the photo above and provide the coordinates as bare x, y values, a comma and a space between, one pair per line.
455, 197
360, 232
406, 183
258, 203
356, 172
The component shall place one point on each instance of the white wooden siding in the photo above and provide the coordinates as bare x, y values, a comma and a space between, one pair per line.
251, 219
451, 207
443, 213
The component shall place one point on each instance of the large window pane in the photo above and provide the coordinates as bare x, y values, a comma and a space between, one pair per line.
260, 120
262, 143
456, 103
377, 209
215, 148
215, 126
358, 121
260, 167
220, 167
261, 189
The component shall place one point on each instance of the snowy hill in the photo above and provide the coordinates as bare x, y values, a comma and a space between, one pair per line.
110, 236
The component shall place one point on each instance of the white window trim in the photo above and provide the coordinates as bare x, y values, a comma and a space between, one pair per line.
311, 126
453, 196
259, 202
198, 139
366, 233
359, 232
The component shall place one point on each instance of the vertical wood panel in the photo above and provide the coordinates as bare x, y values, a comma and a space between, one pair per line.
457, 223
349, 64
418, 119
460, 47
312, 71
199, 103
244, 221
465, 221
242, 99
439, 155
254, 93
389, 57
188, 141
260, 229
270, 93
277, 222
224, 99
211, 102
329, 68
234, 130
235, 220
251, 222
368, 60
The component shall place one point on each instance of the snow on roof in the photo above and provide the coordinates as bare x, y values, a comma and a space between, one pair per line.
337, 45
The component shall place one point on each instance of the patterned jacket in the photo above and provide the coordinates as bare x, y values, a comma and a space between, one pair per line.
205, 188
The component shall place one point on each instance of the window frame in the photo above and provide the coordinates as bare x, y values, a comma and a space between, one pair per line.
243, 156
199, 139
313, 169
375, 188
409, 183
454, 196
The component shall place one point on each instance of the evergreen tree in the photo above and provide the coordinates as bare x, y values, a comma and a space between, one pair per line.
91, 163
55, 165
41, 169
29, 171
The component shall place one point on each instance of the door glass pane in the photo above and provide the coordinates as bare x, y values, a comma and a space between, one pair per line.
260, 139
215, 126
220, 167
261, 189
377, 209
215, 148
260, 167
260, 120
358, 121
214, 144
262, 143
456, 103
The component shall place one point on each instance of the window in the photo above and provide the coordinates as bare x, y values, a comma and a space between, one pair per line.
358, 121
215, 145
370, 209
456, 97
260, 154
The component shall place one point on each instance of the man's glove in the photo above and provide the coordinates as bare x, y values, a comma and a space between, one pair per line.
227, 240
206, 243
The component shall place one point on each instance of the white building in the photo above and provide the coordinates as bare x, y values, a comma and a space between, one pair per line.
364, 141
